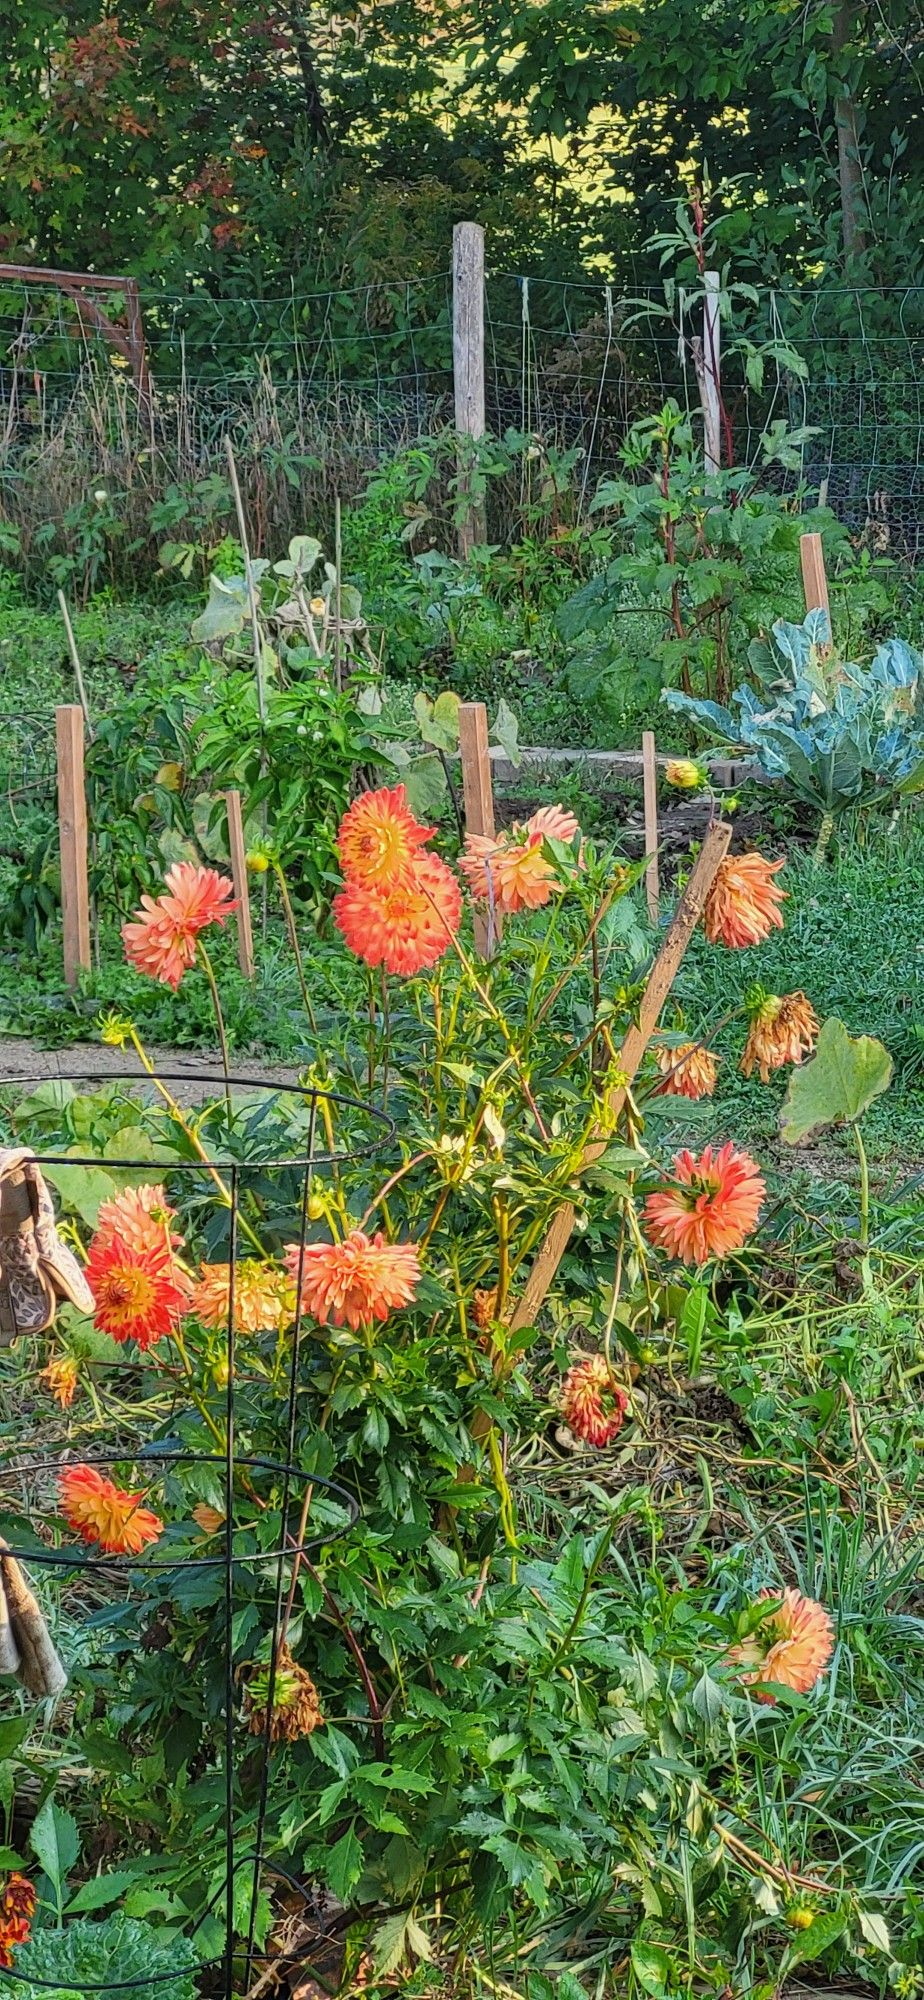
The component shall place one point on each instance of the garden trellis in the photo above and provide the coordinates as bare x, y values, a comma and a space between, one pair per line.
296, 1496
323, 383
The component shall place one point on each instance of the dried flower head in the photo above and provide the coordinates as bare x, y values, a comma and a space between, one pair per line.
686, 1071
379, 839
296, 1702
592, 1403
356, 1281
161, 939
783, 1029
407, 926
484, 1308
101, 1512
61, 1376
264, 1297
208, 1518
743, 904
711, 1208
790, 1648
139, 1295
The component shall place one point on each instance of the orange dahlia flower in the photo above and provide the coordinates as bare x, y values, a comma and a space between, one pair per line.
687, 1071
592, 1404
743, 904
17, 1909
139, 1217
791, 1647
361, 1279
161, 939
264, 1299
100, 1512
782, 1030
406, 927
513, 865
712, 1207
139, 1294
379, 839
61, 1376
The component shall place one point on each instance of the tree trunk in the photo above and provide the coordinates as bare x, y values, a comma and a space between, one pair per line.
314, 103
849, 170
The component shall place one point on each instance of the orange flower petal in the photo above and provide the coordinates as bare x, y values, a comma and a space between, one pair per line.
743, 904
592, 1404
361, 1279
711, 1209
379, 839
101, 1512
406, 927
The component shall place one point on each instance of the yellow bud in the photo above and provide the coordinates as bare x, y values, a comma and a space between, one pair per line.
221, 1373
801, 1918
684, 775
257, 862
115, 1030
316, 1208
317, 607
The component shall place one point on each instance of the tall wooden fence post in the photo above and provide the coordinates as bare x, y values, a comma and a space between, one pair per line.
814, 576
650, 785
241, 887
72, 831
712, 373
478, 798
468, 360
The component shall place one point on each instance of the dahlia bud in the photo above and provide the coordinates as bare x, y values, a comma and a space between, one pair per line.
685, 775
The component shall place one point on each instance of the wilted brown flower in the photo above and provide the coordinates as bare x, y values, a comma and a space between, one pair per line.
296, 1702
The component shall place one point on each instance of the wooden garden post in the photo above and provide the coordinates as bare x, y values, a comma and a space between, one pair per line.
72, 831
241, 886
650, 784
478, 799
660, 980
814, 577
712, 373
468, 358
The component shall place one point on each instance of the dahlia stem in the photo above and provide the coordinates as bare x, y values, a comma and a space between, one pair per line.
219, 1020
176, 1112
864, 1187
289, 915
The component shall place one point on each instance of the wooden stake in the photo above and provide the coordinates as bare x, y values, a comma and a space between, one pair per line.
252, 597
478, 797
468, 357
72, 829
650, 783
711, 390
241, 886
814, 577
660, 980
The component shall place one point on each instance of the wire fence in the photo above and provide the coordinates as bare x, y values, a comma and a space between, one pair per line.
337, 379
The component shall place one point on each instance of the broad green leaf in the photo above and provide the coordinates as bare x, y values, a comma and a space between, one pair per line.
390, 1944
839, 1083
708, 1697
875, 1929
12, 1733
828, 1926
345, 1865
225, 613
425, 784
438, 721
82, 1189
100, 1891
506, 732
55, 1842
652, 1967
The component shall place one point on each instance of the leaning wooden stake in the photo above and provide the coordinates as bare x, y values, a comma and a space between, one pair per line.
660, 980
650, 784
72, 829
478, 797
814, 577
75, 661
241, 888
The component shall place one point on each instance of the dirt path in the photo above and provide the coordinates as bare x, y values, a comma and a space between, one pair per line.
23, 1061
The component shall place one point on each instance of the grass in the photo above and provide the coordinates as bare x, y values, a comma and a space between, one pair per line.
853, 941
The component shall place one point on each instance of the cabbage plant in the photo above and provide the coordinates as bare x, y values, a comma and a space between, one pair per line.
840, 735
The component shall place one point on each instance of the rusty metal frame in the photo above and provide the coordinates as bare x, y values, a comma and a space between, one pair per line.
129, 342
